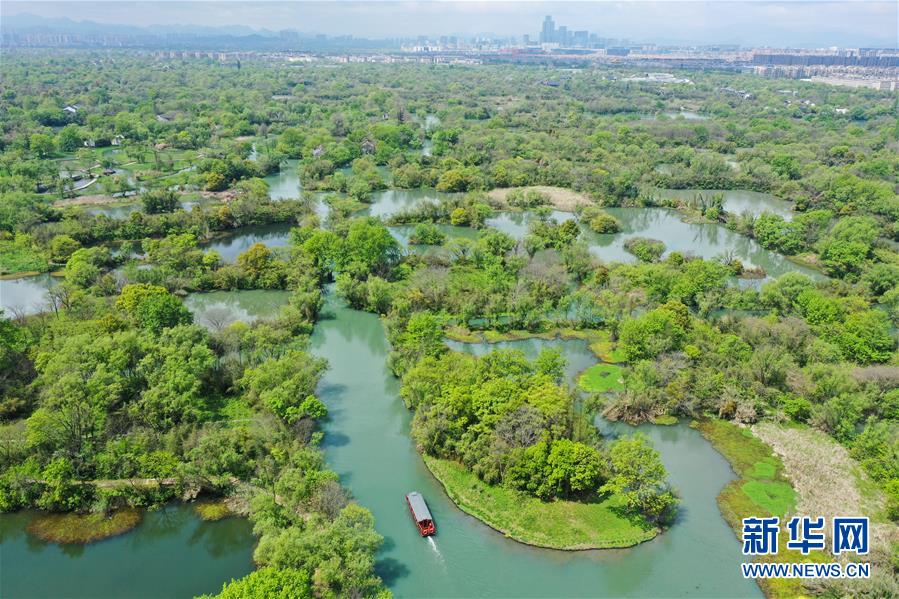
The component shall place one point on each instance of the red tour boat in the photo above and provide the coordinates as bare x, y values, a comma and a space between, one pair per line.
420, 514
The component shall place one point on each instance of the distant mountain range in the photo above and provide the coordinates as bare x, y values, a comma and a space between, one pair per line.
27, 23
30, 30
18, 26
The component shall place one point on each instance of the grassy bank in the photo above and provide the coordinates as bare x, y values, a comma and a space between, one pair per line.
564, 525
72, 528
563, 199
761, 489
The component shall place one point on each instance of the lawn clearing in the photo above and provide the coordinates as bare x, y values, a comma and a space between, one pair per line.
602, 378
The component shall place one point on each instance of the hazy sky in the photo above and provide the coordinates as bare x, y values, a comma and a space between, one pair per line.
792, 22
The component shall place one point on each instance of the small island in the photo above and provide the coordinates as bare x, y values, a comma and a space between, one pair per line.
512, 447
561, 524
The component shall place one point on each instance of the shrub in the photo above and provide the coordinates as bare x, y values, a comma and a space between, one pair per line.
647, 250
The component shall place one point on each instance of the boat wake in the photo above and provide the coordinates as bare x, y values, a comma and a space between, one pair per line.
433, 545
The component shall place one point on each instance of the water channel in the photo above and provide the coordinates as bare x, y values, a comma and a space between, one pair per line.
367, 442
171, 553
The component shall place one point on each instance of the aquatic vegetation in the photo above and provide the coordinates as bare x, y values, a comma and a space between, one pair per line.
212, 510
647, 250
77, 528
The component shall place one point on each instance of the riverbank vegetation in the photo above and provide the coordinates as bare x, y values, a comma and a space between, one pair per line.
126, 404
562, 524
114, 381
761, 489
73, 528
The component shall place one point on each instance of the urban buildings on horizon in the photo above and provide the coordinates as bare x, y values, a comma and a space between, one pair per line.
553, 43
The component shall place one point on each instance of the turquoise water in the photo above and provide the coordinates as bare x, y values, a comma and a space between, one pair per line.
367, 442
171, 553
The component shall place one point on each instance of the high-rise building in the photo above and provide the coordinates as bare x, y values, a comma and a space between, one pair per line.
548, 35
562, 35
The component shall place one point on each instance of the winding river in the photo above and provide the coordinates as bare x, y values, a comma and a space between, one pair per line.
367, 442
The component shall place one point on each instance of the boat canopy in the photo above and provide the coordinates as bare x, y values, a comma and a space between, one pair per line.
419, 508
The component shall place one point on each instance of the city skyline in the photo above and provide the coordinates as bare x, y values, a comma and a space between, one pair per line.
753, 23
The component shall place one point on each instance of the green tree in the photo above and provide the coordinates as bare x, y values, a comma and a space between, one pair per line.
175, 369
865, 337
62, 247
160, 200
286, 386
639, 475
368, 248
69, 138
41, 144
656, 332
153, 307
268, 582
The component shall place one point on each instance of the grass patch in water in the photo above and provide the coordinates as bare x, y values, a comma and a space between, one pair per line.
602, 378
776, 497
665, 420
568, 525
761, 489
72, 528
210, 511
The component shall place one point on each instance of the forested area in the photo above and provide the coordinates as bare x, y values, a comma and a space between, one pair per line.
115, 380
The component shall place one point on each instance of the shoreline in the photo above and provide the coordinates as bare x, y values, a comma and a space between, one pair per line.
434, 464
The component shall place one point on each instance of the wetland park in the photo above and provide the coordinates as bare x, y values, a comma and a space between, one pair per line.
243, 318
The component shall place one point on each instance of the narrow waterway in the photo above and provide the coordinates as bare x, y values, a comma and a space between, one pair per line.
367, 442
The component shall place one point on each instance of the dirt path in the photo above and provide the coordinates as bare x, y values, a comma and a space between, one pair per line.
86, 200
562, 199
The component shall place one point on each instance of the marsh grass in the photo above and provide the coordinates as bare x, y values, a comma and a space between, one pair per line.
597, 340
16, 258
72, 528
